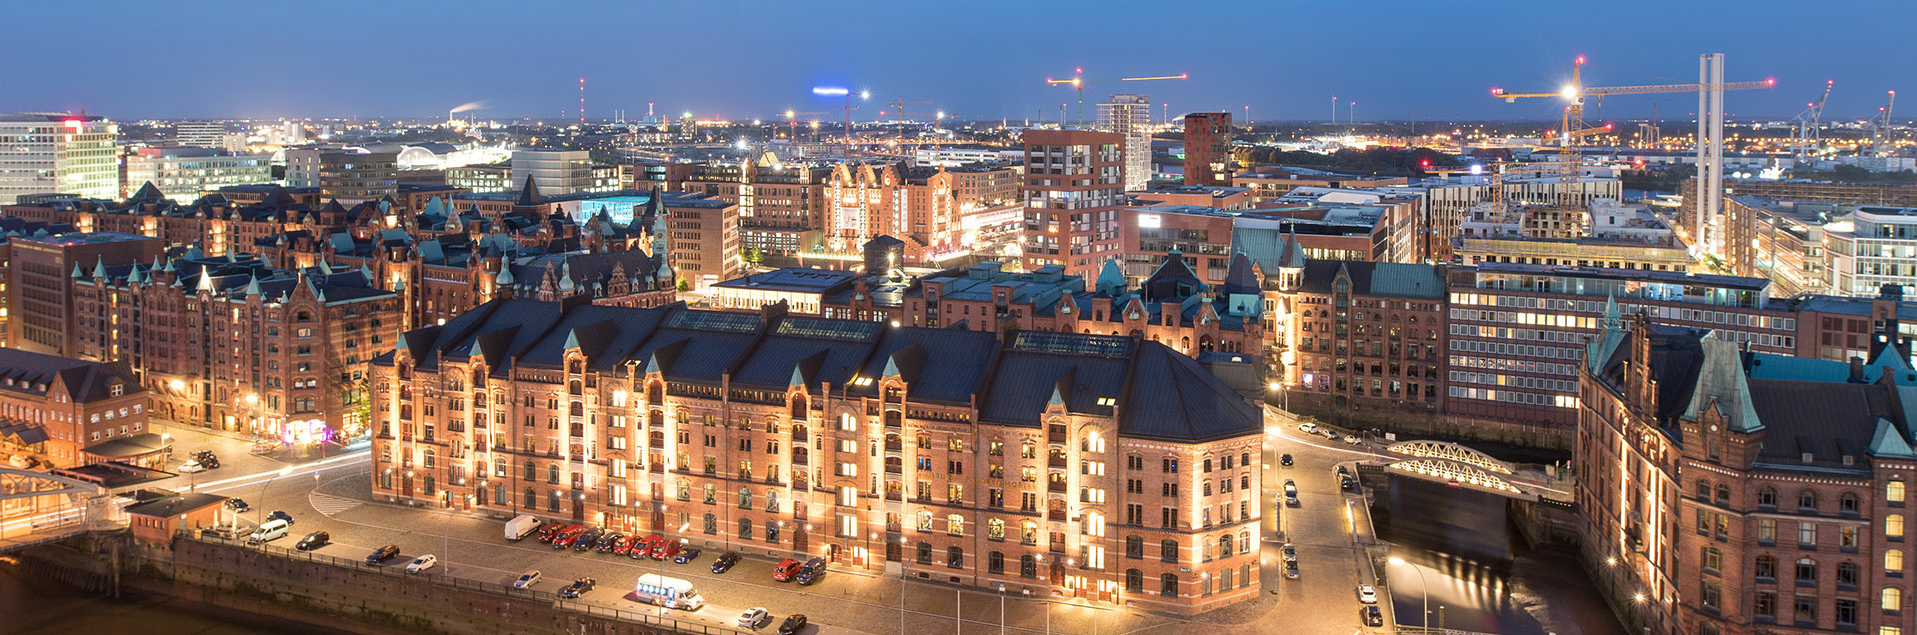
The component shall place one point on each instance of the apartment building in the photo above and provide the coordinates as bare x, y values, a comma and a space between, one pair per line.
1049, 463
1074, 191
40, 292
58, 153
1208, 158
63, 412
1361, 336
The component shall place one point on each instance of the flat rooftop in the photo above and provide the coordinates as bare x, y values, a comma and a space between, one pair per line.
89, 238
804, 280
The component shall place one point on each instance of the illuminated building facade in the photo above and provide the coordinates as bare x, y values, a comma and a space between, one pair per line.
63, 412
1074, 190
914, 205
183, 173
41, 310
1360, 336
1208, 148
49, 153
1728, 492
1046, 462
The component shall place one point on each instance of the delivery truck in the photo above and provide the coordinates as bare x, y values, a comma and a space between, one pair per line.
521, 526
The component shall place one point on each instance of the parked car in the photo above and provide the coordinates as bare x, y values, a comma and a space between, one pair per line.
422, 563
526, 580
1308, 428
577, 587
566, 539
1285, 460
1345, 483
643, 548
754, 617
1351, 439
1291, 553
624, 545
1367, 594
1371, 615
313, 541
793, 624
687, 555
1291, 570
586, 541
1344, 471
190, 467
382, 554
1291, 493
280, 515
784, 571
666, 549
238, 505
609, 541
811, 572
725, 562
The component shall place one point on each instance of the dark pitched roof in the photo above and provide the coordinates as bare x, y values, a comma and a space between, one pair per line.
529, 194
33, 373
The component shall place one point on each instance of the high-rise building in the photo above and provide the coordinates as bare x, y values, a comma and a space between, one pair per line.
1208, 148
558, 172
1074, 189
200, 134
344, 175
48, 153
41, 295
1131, 115
182, 173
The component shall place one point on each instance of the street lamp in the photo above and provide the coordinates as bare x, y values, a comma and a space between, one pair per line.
260, 518
1423, 591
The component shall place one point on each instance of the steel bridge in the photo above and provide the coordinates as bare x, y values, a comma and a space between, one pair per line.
37, 507
1456, 465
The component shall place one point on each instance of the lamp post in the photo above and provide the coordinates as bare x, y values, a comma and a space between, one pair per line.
260, 517
1423, 591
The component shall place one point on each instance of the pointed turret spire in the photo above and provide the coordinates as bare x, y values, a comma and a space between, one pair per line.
99, 269
252, 286
206, 280
1611, 316
529, 194
77, 273
1111, 281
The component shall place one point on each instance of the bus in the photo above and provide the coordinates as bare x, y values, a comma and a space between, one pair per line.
672, 593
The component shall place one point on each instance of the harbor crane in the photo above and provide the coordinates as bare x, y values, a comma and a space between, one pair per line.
1880, 137
1810, 134
1078, 82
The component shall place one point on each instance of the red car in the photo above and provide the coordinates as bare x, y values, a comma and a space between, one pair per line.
643, 547
785, 570
665, 549
554, 530
624, 545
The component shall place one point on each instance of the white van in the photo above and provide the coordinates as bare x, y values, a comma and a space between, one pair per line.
273, 530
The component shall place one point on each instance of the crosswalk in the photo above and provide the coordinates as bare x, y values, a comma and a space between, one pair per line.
329, 504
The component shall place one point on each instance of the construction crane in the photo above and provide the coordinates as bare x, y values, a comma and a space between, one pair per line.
1577, 93
792, 124
899, 112
1880, 138
1809, 134
1079, 83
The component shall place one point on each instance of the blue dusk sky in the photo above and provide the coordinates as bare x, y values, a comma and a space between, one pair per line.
982, 59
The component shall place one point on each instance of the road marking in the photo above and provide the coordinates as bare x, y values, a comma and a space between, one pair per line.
266, 476
329, 504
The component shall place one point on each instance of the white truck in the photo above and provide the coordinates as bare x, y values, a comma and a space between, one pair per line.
671, 593
521, 526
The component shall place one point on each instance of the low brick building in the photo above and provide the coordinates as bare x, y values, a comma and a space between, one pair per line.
154, 522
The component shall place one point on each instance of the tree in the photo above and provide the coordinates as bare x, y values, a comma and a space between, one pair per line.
684, 285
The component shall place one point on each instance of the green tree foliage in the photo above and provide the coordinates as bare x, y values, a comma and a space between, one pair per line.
1665, 180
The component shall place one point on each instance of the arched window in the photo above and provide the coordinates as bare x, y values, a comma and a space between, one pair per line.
552, 473
1244, 542
1224, 545
712, 524
1134, 580
532, 499
1807, 500
430, 490
1807, 570
955, 525
1168, 585
745, 529
995, 529
1028, 533
1767, 497
578, 409
1894, 525
772, 532
1134, 547
1027, 567
685, 490
1703, 489
1168, 550
772, 500
925, 521
925, 553
955, 557
798, 409
428, 458
531, 472
655, 393
552, 501
1894, 561
995, 562
745, 498
1723, 492
1893, 599
711, 494
1847, 503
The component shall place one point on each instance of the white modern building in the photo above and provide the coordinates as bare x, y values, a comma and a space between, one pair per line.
953, 156
47, 153
182, 173
557, 171
1872, 247
200, 134
1131, 115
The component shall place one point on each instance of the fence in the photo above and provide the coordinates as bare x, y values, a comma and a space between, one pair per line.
441, 579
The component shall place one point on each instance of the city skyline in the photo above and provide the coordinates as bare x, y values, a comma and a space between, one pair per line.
988, 72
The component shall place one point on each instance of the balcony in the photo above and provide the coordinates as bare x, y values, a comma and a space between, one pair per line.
1056, 461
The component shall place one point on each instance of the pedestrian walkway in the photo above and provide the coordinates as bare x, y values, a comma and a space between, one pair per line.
329, 504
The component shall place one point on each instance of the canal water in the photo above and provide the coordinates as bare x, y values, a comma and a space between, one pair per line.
1458, 562
30, 605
